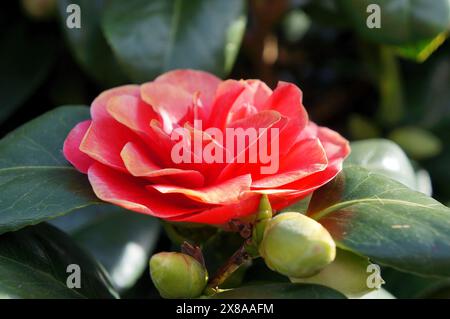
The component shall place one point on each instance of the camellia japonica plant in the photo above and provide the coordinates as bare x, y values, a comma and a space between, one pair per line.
257, 200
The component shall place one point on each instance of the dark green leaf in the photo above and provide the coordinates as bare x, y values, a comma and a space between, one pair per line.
89, 44
281, 291
404, 285
120, 240
33, 264
150, 37
301, 206
377, 217
37, 183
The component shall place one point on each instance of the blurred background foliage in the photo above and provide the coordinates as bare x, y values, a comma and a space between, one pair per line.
392, 82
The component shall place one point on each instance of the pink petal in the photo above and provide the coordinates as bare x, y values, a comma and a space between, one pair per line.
314, 180
98, 108
250, 101
71, 147
304, 159
261, 93
172, 103
193, 81
222, 214
336, 147
226, 95
262, 122
287, 99
130, 193
131, 112
227, 192
105, 139
138, 163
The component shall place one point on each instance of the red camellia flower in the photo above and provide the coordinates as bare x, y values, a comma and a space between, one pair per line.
133, 158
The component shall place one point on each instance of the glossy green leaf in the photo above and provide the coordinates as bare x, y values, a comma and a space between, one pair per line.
281, 291
378, 217
36, 182
150, 37
383, 157
405, 285
89, 44
34, 261
403, 22
301, 206
25, 59
120, 240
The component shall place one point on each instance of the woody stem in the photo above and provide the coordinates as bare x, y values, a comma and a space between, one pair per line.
233, 263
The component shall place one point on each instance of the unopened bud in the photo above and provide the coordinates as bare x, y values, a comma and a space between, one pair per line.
177, 275
296, 246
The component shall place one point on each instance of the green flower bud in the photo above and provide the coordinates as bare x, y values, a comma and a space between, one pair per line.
177, 275
296, 246
347, 274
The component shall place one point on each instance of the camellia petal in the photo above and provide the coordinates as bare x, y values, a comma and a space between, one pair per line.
222, 214
98, 108
250, 101
305, 158
71, 147
131, 112
193, 81
229, 191
105, 139
172, 103
287, 99
226, 95
139, 164
127, 192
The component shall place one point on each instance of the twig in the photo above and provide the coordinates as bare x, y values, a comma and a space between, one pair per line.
233, 263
